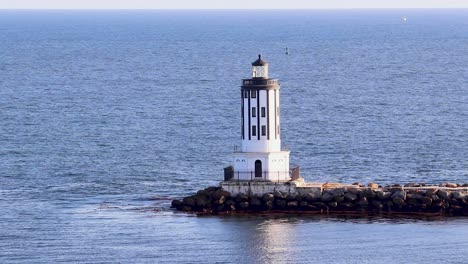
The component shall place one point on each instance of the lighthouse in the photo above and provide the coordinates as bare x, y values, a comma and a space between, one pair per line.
260, 156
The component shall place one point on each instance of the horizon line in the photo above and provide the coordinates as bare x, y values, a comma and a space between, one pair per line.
244, 9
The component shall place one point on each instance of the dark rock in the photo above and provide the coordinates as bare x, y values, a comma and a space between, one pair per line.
220, 193
435, 198
346, 205
303, 204
350, 196
280, 203
244, 205
453, 201
268, 197
465, 185
320, 205
255, 201
201, 201
383, 195
458, 195
221, 208
300, 197
399, 194
444, 194
421, 192
332, 204
426, 201
292, 204
291, 197
337, 191
353, 190
398, 201
358, 184
312, 197
431, 192
241, 198
377, 204
388, 204
189, 201
220, 201
269, 205
363, 202
368, 193
412, 202
456, 208
338, 199
415, 196
327, 197
212, 189
280, 195
176, 204
186, 208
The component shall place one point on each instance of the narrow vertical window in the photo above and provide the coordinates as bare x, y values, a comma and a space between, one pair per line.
278, 130
253, 94
263, 130
254, 112
246, 94
263, 111
254, 130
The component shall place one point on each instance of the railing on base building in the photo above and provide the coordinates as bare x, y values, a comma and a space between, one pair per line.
231, 175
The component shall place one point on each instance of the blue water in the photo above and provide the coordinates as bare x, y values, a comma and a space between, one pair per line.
105, 116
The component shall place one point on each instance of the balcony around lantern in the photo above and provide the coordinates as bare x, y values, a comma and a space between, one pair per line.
259, 82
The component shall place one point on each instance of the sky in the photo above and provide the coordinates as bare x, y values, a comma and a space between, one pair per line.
228, 4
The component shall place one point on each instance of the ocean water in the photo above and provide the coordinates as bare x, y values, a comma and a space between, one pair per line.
105, 116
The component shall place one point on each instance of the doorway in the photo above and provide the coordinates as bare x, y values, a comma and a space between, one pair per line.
258, 169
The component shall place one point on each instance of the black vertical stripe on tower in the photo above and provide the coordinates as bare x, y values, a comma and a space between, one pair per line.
249, 116
268, 113
258, 114
242, 115
276, 119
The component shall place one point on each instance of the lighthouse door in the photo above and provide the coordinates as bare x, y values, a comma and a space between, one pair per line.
258, 169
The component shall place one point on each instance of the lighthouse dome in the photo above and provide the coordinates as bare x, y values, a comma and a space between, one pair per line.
260, 68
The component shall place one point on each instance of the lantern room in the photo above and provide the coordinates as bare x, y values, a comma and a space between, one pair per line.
260, 68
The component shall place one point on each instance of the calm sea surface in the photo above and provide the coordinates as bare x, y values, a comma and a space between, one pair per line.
105, 116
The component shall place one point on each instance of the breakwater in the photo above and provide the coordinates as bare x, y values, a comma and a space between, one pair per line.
446, 199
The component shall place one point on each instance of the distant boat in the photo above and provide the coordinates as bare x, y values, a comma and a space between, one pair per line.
286, 51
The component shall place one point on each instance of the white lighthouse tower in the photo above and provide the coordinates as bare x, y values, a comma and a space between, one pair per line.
260, 157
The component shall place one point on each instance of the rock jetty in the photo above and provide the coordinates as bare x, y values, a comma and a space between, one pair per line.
446, 199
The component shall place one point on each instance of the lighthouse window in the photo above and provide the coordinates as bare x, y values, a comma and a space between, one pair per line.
246, 94
263, 130
254, 130
263, 111
253, 94
254, 111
